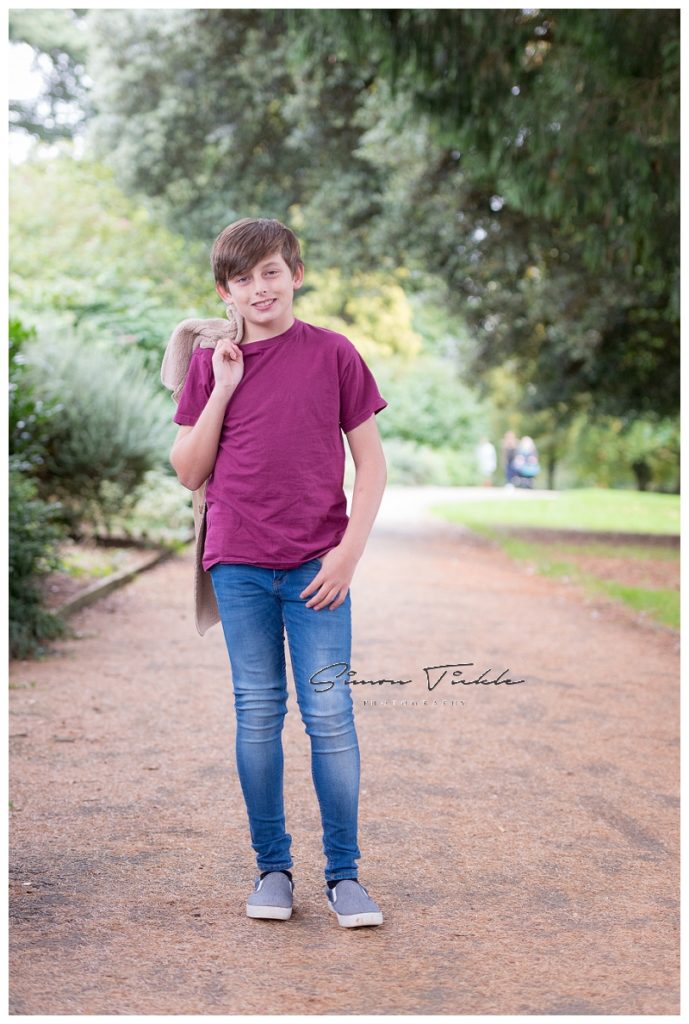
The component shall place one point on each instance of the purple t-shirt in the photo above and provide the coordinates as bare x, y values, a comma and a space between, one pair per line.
275, 496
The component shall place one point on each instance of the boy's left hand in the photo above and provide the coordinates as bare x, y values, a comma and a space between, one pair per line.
332, 580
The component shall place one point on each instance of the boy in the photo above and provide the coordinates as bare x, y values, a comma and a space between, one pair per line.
263, 421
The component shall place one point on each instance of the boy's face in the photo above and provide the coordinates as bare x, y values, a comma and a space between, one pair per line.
265, 293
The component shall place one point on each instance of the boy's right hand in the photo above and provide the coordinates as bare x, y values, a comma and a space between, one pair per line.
228, 363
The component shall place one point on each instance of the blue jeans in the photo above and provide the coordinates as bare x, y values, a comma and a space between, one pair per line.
255, 606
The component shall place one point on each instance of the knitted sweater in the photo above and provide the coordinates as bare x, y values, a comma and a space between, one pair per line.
191, 334
187, 336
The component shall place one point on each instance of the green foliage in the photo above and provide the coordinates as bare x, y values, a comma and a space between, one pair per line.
535, 97
157, 510
84, 255
521, 166
112, 427
371, 309
29, 416
195, 126
57, 37
34, 531
523, 282
587, 451
413, 464
527, 158
231, 126
428, 403
444, 334
560, 248
34, 535
613, 453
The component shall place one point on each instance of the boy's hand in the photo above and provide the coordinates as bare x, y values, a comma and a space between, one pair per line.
332, 580
228, 363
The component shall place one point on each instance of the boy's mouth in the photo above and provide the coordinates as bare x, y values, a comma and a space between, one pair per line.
264, 305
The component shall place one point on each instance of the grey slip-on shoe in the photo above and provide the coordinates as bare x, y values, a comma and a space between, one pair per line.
352, 904
272, 897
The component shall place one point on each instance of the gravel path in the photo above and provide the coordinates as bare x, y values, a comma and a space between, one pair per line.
521, 840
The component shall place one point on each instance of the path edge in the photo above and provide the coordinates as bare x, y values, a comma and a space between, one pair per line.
103, 587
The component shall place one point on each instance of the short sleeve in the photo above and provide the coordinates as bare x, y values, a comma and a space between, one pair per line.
359, 394
197, 388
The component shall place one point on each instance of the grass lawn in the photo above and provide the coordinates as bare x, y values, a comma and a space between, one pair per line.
586, 509
592, 509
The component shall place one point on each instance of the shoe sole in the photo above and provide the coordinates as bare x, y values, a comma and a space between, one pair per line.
272, 913
358, 920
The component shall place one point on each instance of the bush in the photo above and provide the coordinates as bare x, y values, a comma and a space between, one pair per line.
413, 464
158, 511
428, 403
641, 453
33, 539
112, 428
29, 417
83, 250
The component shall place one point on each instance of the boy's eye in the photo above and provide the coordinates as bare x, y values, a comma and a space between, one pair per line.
240, 280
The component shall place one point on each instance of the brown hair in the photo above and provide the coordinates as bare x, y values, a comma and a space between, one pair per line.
244, 243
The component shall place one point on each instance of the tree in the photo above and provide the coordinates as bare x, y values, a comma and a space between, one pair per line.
83, 254
572, 115
566, 126
225, 128
60, 50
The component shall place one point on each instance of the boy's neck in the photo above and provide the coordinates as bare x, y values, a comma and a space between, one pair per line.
260, 332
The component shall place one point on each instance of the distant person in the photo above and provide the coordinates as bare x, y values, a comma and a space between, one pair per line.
487, 459
509, 448
525, 464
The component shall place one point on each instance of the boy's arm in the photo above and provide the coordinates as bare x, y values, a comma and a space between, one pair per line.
329, 587
195, 449
369, 485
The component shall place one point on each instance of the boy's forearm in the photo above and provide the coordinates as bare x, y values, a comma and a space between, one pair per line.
194, 455
369, 487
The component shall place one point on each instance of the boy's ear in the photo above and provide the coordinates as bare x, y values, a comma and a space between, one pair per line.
223, 293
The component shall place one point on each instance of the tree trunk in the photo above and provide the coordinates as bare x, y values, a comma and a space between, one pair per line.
642, 472
551, 464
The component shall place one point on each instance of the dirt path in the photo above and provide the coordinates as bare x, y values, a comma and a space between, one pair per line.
522, 842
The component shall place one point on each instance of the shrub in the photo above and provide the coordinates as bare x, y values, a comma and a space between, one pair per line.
642, 453
33, 538
29, 416
428, 403
412, 464
112, 428
158, 511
